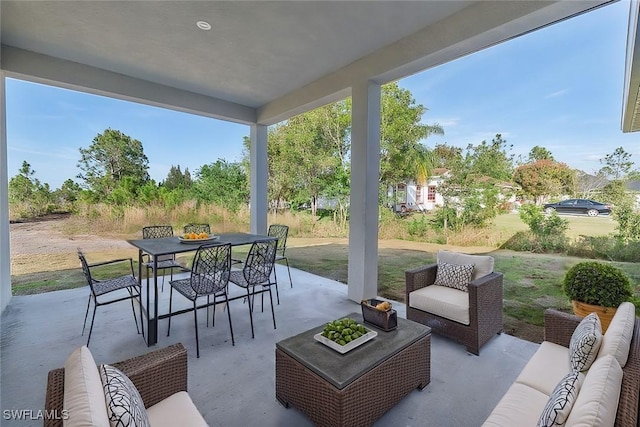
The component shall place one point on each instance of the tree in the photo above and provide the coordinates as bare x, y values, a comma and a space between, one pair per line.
617, 164
176, 179
445, 156
539, 153
402, 156
112, 157
68, 192
544, 178
22, 186
222, 183
490, 159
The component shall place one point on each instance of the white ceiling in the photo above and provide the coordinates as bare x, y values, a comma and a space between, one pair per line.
262, 61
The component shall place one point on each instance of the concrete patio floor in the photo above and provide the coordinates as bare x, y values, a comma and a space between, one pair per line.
235, 385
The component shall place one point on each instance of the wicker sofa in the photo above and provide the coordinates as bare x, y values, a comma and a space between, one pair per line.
609, 389
159, 376
471, 318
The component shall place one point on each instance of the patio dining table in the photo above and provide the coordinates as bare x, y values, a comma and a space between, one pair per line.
166, 246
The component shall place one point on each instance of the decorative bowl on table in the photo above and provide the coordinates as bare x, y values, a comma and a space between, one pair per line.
343, 335
380, 314
196, 238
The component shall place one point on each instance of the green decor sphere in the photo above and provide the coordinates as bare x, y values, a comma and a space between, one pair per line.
598, 284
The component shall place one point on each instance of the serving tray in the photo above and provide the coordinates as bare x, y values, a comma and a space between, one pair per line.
198, 241
342, 349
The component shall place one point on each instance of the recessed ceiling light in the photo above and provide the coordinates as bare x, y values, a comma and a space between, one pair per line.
203, 25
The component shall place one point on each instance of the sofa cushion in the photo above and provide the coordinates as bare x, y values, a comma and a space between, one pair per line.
456, 276
482, 264
546, 368
83, 396
176, 410
442, 301
124, 404
561, 401
617, 340
520, 406
585, 343
597, 402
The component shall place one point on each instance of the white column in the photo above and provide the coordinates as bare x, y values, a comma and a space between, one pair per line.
365, 165
5, 255
259, 174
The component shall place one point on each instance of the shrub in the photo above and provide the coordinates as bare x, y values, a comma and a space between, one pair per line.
596, 283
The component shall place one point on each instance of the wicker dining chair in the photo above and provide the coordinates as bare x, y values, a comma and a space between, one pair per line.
165, 262
197, 228
209, 277
102, 291
281, 232
256, 272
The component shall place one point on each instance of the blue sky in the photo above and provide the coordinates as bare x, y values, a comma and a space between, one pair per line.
559, 87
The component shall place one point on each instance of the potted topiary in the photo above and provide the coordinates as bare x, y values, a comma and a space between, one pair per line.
597, 287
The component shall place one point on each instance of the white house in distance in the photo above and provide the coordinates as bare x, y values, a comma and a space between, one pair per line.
410, 196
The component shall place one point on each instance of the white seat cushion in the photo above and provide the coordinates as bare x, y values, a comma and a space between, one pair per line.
83, 395
546, 368
520, 406
176, 410
617, 340
482, 264
597, 402
452, 304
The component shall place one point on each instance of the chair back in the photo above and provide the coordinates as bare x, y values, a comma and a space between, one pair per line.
211, 268
280, 231
197, 228
158, 232
257, 269
85, 268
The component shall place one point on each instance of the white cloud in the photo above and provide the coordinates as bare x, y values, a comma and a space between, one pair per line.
556, 93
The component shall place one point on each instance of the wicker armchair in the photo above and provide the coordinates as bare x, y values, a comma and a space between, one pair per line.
157, 375
485, 308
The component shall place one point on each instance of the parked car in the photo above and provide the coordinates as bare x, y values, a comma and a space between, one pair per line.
578, 206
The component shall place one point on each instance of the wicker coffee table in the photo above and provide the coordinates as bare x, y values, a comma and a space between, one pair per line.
356, 388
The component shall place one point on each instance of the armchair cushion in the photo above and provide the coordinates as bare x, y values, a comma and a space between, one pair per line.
617, 340
456, 276
176, 410
83, 395
124, 404
482, 264
585, 343
443, 301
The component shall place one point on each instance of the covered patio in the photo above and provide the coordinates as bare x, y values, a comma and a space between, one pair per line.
234, 385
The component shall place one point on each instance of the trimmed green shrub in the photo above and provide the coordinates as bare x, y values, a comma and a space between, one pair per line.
597, 283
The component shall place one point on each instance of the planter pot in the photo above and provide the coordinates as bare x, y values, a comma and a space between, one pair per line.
605, 314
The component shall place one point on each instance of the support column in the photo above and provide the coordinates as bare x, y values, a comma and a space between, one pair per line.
365, 171
259, 174
5, 255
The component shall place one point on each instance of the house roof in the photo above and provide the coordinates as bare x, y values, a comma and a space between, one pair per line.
261, 61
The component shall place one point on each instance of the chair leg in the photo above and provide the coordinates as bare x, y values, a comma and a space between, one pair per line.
226, 304
195, 318
133, 308
275, 280
273, 314
213, 321
95, 305
289, 270
84, 325
170, 299
250, 312
214, 307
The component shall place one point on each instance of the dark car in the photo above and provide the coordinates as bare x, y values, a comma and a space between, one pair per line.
578, 206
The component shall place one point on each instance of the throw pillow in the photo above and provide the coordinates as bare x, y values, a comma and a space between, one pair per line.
454, 275
124, 404
561, 401
585, 343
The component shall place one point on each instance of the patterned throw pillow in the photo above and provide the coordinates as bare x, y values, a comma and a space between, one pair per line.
453, 275
124, 404
561, 401
585, 343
